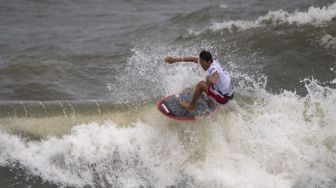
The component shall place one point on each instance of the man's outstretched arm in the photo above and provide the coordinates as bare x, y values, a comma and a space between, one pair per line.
172, 60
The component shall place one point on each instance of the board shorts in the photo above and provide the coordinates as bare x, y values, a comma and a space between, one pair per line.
220, 99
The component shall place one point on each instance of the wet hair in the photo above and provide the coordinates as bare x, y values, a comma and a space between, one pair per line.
206, 56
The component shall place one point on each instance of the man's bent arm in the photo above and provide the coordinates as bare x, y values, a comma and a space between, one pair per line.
213, 78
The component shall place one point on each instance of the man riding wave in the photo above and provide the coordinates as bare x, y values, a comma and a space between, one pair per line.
218, 83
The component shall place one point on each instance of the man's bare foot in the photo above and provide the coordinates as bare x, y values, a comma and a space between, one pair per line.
186, 106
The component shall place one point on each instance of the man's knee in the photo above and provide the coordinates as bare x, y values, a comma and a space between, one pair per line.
201, 85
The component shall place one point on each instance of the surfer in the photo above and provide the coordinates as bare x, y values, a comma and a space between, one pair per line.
217, 84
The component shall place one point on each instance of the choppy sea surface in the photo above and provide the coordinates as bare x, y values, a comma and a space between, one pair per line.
79, 81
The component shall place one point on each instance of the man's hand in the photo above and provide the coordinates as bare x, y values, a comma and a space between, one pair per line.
170, 60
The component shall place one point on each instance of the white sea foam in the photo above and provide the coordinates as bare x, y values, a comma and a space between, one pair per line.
224, 6
258, 140
315, 16
328, 42
146, 70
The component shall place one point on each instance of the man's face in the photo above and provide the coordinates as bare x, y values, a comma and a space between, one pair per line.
205, 65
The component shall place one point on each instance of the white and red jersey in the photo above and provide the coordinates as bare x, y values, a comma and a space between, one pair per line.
223, 85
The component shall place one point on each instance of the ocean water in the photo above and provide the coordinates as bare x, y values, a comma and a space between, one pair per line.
79, 81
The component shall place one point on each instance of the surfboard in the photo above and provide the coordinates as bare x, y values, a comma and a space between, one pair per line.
171, 108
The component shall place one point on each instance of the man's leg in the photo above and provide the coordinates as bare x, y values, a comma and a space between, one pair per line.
202, 86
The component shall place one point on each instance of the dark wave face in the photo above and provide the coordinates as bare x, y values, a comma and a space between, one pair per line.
79, 81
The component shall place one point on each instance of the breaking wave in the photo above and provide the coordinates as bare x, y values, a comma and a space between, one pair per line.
314, 16
259, 140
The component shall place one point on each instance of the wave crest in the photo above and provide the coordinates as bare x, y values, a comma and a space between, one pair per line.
314, 16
